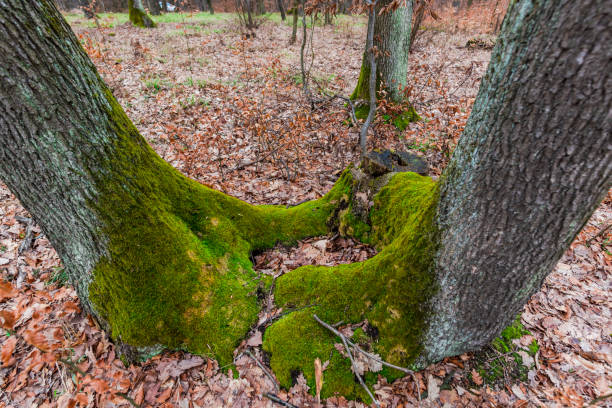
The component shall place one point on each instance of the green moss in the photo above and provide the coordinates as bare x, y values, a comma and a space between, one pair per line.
389, 290
362, 90
178, 271
502, 361
408, 116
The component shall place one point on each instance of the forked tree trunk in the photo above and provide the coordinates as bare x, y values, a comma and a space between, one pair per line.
392, 41
162, 260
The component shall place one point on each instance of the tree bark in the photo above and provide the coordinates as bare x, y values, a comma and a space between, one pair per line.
210, 6
531, 166
154, 7
296, 6
281, 9
392, 40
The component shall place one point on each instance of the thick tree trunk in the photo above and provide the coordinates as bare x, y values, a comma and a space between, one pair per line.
532, 164
156, 257
210, 6
138, 15
392, 40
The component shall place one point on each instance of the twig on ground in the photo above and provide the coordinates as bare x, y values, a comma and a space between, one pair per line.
276, 399
355, 371
348, 351
371, 356
599, 234
266, 372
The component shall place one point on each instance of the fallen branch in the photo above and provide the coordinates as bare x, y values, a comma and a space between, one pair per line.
266, 372
348, 351
599, 234
371, 356
276, 399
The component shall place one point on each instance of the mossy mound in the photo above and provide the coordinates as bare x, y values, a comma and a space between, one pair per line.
178, 271
389, 290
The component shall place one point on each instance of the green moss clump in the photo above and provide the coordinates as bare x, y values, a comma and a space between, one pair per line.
177, 271
390, 290
408, 116
495, 366
139, 17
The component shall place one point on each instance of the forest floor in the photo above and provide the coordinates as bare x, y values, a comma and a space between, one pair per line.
231, 113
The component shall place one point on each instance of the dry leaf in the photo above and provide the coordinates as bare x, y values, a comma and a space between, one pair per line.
476, 377
6, 352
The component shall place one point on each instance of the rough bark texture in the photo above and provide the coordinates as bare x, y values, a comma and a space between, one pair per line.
532, 164
392, 40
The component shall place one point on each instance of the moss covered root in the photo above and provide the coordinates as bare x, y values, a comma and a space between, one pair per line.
389, 290
178, 271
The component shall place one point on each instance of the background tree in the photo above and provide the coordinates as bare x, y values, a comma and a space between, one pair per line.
392, 42
138, 15
160, 259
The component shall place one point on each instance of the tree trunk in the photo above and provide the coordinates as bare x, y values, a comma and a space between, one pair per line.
296, 7
392, 40
210, 6
533, 163
138, 15
281, 9
155, 257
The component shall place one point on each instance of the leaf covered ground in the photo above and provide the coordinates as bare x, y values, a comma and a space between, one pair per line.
230, 113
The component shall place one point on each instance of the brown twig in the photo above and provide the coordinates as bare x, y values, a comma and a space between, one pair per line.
276, 399
266, 372
599, 234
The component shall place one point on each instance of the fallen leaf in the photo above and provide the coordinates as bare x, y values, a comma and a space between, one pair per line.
433, 389
6, 352
476, 377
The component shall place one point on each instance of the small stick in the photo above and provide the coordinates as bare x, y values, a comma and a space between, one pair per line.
365, 387
276, 399
599, 234
373, 357
266, 372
